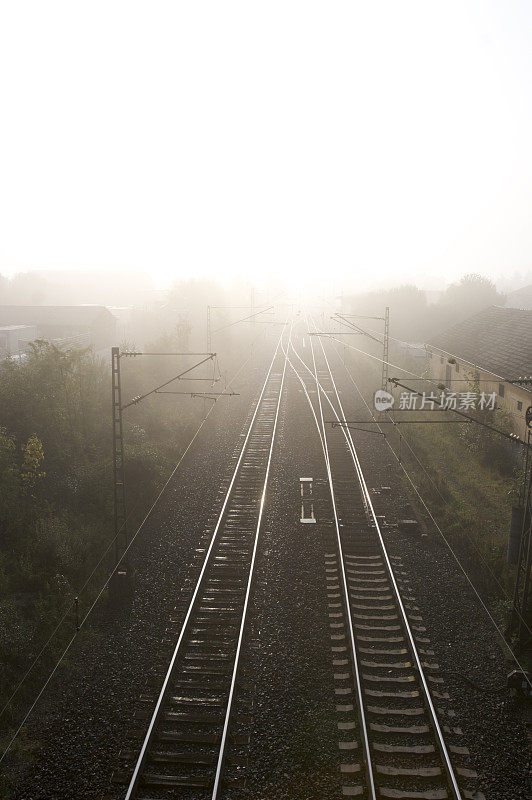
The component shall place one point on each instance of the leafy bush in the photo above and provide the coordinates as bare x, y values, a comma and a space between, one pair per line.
56, 497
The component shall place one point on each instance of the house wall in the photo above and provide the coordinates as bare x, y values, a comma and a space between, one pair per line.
96, 327
101, 333
15, 338
511, 398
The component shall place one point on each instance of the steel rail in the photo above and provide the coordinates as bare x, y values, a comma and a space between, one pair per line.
223, 741
458, 562
365, 493
348, 439
451, 777
354, 654
133, 784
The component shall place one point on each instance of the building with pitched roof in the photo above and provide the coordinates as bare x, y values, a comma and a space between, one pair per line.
90, 325
496, 345
520, 298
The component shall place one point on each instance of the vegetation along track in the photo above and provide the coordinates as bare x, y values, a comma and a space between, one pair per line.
389, 697
186, 742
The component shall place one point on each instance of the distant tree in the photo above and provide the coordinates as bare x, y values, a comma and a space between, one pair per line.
407, 304
33, 456
4, 289
28, 288
470, 294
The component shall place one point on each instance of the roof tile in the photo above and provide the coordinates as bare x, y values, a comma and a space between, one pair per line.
497, 339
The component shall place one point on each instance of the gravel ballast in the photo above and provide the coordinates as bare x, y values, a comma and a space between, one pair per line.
86, 718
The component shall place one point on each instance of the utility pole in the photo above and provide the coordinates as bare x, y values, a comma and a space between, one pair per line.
119, 482
122, 580
519, 613
385, 350
523, 637
343, 320
209, 334
252, 299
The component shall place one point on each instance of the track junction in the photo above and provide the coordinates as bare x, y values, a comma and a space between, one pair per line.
397, 735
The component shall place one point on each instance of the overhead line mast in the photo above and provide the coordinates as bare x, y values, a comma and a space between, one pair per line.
121, 582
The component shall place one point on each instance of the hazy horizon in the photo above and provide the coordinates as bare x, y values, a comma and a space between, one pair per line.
149, 283
354, 145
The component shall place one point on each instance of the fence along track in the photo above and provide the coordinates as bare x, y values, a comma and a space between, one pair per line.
405, 754
186, 741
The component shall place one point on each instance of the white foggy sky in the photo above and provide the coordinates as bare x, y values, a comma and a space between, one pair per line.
348, 141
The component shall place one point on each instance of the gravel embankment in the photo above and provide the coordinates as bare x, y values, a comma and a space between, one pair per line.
462, 636
294, 738
85, 717
287, 668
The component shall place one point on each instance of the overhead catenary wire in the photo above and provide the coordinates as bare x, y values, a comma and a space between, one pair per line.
84, 619
462, 568
151, 726
131, 353
140, 397
363, 352
354, 650
371, 515
523, 382
445, 540
356, 328
436, 487
224, 734
511, 437
236, 322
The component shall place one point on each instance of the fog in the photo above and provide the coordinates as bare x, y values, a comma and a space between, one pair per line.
353, 147
138, 313
240, 243
340, 156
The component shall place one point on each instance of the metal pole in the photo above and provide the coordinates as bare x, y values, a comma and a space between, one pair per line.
118, 458
209, 335
526, 545
252, 299
514, 615
385, 349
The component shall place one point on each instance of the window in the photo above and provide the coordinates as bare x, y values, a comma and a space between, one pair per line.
457, 367
441, 359
448, 376
501, 389
519, 405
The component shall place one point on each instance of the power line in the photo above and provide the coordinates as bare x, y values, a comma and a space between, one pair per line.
428, 511
511, 436
446, 541
103, 588
357, 328
376, 358
230, 324
134, 353
436, 487
140, 397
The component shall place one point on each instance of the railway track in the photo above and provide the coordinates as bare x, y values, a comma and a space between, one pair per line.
188, 734
398, 738
390, 699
